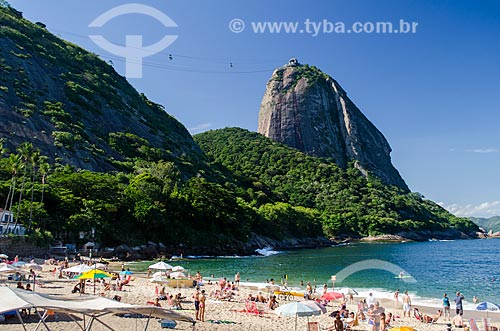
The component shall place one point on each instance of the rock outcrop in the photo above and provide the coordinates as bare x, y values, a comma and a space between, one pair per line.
308, 110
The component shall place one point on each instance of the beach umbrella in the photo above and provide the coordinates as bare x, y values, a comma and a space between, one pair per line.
7, 269
78, 269
126, 272
177, 274
315, 305
402, 328
329, 296
3, 256
487, 306
33, 266
93, 274
178, 268
99, 265
161, 266
297, 309
18, 264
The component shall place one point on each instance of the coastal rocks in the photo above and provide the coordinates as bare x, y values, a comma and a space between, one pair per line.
306, 109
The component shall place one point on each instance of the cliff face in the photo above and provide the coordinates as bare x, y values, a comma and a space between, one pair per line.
308, 110
75, 108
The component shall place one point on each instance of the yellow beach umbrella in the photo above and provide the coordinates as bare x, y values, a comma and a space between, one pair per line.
402, 328
94, 274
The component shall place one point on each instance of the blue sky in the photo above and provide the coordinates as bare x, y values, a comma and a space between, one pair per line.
434, 94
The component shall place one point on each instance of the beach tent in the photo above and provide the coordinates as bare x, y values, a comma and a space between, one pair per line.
92, 307
160, 266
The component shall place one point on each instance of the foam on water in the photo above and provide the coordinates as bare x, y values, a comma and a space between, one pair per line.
267, 251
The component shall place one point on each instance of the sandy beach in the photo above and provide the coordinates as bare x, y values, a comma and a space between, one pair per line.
220, 315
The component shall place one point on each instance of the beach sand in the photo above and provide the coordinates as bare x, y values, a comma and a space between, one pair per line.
140, 291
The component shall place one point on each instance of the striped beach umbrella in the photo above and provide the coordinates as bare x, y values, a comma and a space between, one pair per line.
487, 306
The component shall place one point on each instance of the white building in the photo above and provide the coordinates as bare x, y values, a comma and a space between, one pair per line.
7, 224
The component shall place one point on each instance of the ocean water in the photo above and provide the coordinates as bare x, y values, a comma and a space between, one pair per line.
469, 266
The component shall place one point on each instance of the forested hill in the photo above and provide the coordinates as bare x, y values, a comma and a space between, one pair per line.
345, 202
77, 109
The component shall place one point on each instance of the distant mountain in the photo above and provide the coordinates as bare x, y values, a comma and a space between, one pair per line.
306, 109
489, 224
76, 108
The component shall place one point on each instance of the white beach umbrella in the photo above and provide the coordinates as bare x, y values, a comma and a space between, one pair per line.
177, 275
298, 308
3, 256
8, 269
33, 266
178, 268
161, 266
78, 269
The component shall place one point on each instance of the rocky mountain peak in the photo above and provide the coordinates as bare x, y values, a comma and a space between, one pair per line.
306, 109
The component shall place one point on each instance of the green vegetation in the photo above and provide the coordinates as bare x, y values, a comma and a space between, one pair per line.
83, 104
160, 186
344, 202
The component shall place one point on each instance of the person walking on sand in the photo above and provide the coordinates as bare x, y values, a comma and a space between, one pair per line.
458, 304
202, 298
196, 297
396, 296
446, 307
237, 279
406, 304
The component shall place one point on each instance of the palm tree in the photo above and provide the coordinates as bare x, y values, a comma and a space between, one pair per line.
43, 169
26, 151
35, 160
15, 166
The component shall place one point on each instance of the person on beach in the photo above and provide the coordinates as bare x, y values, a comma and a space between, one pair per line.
446, 306
237, 279
309, 290
458, 304
433, 318
370, 300
202, 298
475, 299
396, 296
196, 297
406, 304
458, 321
273, 304
339, 325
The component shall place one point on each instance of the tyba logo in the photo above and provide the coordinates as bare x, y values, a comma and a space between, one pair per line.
133, 51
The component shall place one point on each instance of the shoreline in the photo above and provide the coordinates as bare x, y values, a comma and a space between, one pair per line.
140, 291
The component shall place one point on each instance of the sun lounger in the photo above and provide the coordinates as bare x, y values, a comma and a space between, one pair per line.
473, 325
486, 324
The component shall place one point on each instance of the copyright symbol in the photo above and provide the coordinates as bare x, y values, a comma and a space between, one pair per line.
236, 25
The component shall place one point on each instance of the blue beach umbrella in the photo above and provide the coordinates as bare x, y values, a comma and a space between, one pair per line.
126, 273
487, 306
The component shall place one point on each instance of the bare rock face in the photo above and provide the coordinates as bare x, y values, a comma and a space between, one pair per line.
308, 110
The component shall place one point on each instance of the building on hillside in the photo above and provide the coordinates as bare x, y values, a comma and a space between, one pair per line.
7, 224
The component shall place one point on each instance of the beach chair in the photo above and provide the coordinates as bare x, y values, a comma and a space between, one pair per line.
418, 315
473, 325
486, 324
312, 326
